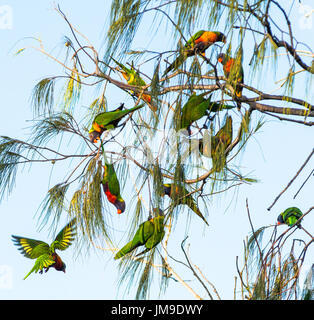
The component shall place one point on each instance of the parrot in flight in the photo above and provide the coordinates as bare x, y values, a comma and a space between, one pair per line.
149, 234
233, 72
219, 143
198, 43
290, 216
111, 187
45, 254
134, 79
108, 120
178, 194
197, 107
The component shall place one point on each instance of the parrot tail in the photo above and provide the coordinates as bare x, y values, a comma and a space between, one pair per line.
175, 64
126, 249
194, 207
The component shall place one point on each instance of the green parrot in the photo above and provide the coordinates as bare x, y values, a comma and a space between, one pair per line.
108, 120
198, 43
134, 79
219, 144
197, 107
148, 234
177, 194
234, 73
290, 216
111, 187
45, 254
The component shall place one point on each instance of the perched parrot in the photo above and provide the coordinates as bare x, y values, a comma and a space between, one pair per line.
177, 194
134, 79
108, 120
290, 216
234, 75
219, 143
197, 107
148, 234
111, 187
198, 43
45, 255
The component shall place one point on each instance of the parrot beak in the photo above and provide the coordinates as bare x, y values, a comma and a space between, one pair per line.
120, 205
94, 136
64, 270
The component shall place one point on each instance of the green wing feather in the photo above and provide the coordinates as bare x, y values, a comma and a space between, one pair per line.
179, 195
30, 248
143, 233
111, 187
194, 109
291, 215
111, 178
109, 120
65, 237
134, 78
158, 233
191, 41
219, 144
43, 261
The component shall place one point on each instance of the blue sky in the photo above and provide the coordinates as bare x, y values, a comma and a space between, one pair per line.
273, 156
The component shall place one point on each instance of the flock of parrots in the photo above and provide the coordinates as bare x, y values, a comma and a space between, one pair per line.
151, 232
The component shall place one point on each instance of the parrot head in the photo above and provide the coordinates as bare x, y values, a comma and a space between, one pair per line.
280, 220
94, 136
120, 205
167, 189
221, 37
222, 58
158, 212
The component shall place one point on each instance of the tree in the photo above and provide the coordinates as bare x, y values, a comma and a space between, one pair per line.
146, 147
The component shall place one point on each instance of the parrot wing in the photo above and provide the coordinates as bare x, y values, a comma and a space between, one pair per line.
122, 66
189, 201
220, 143
143, 233
65, 237
113, 117
111, 187
43, 261
191, 42
194, 109
30, 248
291, 215
158, 233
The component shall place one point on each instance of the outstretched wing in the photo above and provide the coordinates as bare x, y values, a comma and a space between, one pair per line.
30, 248
43, 261
65, 237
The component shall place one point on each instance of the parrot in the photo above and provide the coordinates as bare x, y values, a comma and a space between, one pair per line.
134, 79
290, 216
111, 187
149, 234
45, 254
235, 76
195, 108
108, 120
219, 143
198, 43
177, 194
